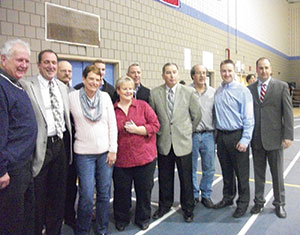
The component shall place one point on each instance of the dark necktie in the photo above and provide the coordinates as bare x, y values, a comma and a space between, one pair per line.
55, 110
262, 92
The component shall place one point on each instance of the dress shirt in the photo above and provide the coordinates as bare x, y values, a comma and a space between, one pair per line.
44, 84
234, 109
173, 89
136, 150
206, 101
18, 129
260, 83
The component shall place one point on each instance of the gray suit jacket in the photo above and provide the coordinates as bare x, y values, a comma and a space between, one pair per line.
176, 132
274, 117
32, 86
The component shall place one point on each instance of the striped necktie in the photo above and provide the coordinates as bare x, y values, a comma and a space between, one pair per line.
262, 92
55, 111
170, 102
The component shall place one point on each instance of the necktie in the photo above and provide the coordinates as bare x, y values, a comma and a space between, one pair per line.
170, 102
262, 92
55, 110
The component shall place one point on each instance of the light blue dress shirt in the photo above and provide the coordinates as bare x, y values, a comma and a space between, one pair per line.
234, 109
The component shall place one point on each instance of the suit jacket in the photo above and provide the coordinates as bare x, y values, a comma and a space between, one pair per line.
143, 93
32, 86
176, 131
107, 88
274, 117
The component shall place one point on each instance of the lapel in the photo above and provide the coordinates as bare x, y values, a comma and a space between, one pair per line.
255, 92
177, 94
36, 90
163, 95
269, 91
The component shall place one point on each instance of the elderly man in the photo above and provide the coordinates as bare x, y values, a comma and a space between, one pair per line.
273, 132
179, 113
203, 137
64, 73
18, 134
49, 98
140, 92
234, 122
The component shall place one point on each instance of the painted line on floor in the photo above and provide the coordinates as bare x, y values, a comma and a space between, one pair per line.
252, 219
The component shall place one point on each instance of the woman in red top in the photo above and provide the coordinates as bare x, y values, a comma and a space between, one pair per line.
136, 156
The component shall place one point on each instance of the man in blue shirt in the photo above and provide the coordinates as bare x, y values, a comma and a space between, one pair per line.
18, 134
234, 122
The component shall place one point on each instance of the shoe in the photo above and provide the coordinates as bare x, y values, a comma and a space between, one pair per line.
207, 202
222, 204
196, 201
120, 226
159, 213
239, 212
188, 218
143, 226
280, 211
257, 208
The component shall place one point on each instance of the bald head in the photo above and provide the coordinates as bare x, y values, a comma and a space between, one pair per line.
64, 71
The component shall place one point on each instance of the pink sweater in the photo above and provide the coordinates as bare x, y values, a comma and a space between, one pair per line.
94, 137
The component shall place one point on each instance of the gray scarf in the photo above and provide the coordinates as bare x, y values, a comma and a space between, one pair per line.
87, 105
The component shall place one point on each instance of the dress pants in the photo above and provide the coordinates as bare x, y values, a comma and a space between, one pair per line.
234, 165
142, 177
275, 160
50, 189
166, 165
17, 203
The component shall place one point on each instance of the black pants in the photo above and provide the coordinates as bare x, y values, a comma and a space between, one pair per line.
234, 165
50, 190
142, 177
17, 203
166, 165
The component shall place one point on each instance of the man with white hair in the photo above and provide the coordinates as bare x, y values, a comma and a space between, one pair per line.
18, 135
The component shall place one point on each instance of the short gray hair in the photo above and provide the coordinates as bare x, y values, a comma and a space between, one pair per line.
8, 46
122, 80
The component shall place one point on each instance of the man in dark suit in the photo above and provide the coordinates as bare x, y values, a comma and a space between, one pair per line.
179, 113
50, 101
141, 92
105, 85
273, 132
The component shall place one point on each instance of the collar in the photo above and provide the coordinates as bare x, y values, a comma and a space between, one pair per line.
44, 81
174, 88
133, 103
11, 79
266, 82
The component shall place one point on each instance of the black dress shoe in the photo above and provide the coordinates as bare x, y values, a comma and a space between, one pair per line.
239, 212
196, 201
143, 226
222, 204
120, 226
159, 213
280, 211
257, 208
207, 202
188, 218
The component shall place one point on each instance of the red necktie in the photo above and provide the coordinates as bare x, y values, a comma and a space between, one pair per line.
262, 92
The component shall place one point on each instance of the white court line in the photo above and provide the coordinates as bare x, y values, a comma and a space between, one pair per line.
252, 219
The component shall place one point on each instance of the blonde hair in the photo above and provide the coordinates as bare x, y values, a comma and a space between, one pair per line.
122, 80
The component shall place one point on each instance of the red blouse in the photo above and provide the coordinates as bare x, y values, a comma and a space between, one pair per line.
136, 150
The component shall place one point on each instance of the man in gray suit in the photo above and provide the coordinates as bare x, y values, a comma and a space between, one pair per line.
49, 98
273, 132
178, 112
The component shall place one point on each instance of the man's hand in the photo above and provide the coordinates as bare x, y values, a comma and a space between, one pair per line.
286, 143
4, 181
240, 147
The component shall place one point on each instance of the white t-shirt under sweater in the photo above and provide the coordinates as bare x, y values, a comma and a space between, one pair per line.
94, 137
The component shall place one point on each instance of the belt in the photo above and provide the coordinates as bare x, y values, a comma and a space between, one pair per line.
53, 139
203, 131
229, 131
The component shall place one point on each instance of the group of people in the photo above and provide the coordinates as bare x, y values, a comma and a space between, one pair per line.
53, 134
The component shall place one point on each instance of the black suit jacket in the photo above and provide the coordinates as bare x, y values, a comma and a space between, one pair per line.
143, 93
107, 88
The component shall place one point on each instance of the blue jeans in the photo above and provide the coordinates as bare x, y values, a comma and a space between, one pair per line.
203, 144
88, 168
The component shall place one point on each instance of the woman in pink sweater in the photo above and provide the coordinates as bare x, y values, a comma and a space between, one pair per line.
95, 149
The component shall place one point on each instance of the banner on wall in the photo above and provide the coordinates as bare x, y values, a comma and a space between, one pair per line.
173, 3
